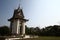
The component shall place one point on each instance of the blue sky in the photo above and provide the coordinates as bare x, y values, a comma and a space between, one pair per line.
40, 13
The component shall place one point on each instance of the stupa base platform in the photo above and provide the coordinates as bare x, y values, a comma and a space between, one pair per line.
13, 37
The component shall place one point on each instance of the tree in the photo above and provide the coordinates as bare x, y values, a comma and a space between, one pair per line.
51, 31
27, 30
4, 31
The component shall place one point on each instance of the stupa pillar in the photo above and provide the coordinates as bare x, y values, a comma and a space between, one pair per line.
18, 26
23, 28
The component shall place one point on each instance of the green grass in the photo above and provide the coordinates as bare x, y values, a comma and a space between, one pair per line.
43, 38
49, 38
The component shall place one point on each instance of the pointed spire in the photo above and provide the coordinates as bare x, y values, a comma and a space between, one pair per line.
19, 6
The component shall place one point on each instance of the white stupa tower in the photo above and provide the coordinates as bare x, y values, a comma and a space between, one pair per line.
17, 22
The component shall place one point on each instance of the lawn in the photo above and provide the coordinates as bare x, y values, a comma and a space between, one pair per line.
43, 38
